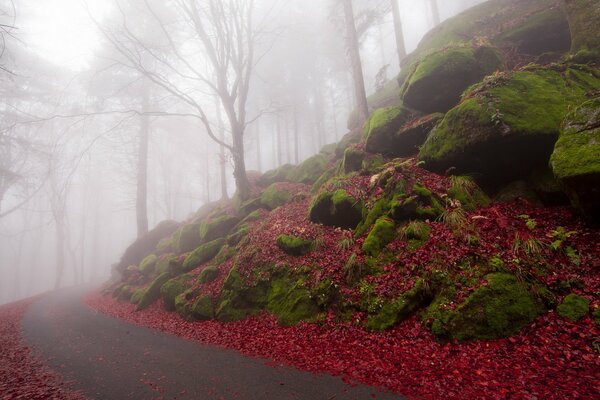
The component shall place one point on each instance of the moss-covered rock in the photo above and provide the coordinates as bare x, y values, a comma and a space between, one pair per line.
173, 288
382, 127
202, 254
147, 265
596, 315
573, 307
279, 174
152, 293
576, 158
353, 159
380, 208
336, 209
465, 190
137, 296
347, 140
208, 274
166, 263
584, 19
236, 237
203, 308
325, 177
439, 79
309, 170
398, 310
501, 135
275, 196
188, 237
295, 246
216, 228
383, 232
290, 301
418, 203
499, 309
413, 134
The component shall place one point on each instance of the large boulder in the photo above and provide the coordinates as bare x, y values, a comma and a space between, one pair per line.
438, 80
337, 209
576, 158
584, 19
506, 126
413, 134
382, 127
309, 170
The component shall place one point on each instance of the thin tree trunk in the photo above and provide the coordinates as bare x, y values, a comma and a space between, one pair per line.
357, 72
141, 204
222, 160
400, 45
278, 129
435, 12
60, 249
296, 136
258, 160
239, 163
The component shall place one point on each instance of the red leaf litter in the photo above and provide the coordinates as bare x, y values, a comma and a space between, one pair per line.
551, 359
22, 375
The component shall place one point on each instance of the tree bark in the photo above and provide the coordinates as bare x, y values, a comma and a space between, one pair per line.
435, 12
399, 32
357, 71
239, 163
222, 160
258, 152
141, 202
296, 136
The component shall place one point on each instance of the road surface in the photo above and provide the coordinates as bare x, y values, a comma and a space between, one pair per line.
108, 359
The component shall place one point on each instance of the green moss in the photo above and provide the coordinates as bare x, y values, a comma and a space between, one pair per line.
382, 126
290, 301
294, 245
253, 216
583, 19
147, 265
183, 306
165, 245
465, 190
208, 274
383, 232
309, 170
387, 96
596, 315
203, 308
416, 233
324, 178
398, 310
136, 296
166, 263
203, 254
188, 238
274, 196
573, 307
280, 174
173, 288
353, 160
499, 309
152, 293
380, 209
439, 79
217, 228
238, 235
336, 209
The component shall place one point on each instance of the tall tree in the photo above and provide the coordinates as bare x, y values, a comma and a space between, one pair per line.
141, 199
400, 45
435, 12
355, 61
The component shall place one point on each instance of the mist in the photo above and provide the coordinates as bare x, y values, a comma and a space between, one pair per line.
84, 82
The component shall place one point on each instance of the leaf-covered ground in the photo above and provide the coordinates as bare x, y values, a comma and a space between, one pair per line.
22, 375
551, 359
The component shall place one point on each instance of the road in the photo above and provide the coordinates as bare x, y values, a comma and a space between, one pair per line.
107, 359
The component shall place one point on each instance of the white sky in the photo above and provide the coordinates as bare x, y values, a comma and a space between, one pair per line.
61, 31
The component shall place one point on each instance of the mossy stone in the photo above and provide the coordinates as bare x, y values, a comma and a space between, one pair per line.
398, 310
203, 308
353, 160
294, 245
380, 208
499, 309
337, 209
171, 289
324, 178
280, 174
439, 79
573, 307
208, 274
383, 232
467, 192
147, 265
501, 135
166, 263
136, 296
382, 126
584, 19
188, 237
576, 158
216, 228
596, 315
238, 235
152, 293
202, 254
290, 301
275, 196
309, 170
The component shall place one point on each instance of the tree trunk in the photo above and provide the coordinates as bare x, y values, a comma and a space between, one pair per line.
278, 130
399, 32
239, 164
258, 160
222, 160
141, 203
435, 12
60, 249
357, 72
296, 136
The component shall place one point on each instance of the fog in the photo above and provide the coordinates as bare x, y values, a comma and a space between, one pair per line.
84, 82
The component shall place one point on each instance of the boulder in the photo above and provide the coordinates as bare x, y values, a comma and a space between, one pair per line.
506, 127
171, 289
279, 174
413, 134
188, 237
294, 245
216, 228
353, 160
438, 80
584, 19
576, 158
383, 125
275, 196
383, 232
309, 170
573, 307
202, 254
336, 209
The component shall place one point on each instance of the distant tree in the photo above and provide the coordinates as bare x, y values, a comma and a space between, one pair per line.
435, 12
399, 33
355, 61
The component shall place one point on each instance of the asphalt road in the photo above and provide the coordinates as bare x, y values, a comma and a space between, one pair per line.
108, 359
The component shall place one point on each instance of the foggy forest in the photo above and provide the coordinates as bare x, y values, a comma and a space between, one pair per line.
299, 199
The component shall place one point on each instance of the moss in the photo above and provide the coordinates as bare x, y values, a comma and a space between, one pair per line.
203, 308
253, 216
290, 301
279, 174
147, 265
183, 306
584, 16
416, 233
573, 307
398, 310
171, 289
439, 79
136, 296
188, 237
208, 274
294, 245
326, 176
152, 293
203, 254
348, 139
465, 190
123, 292
274, 196
380, 209
596, 315
238, 235
499, 309
383, 232
310, 170
166, 263
382, 126
328, 149
353, 160
336, 209
165, 245
501, 134
373, 164
217, 228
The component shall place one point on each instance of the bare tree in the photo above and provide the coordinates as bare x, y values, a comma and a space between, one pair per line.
398, 31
